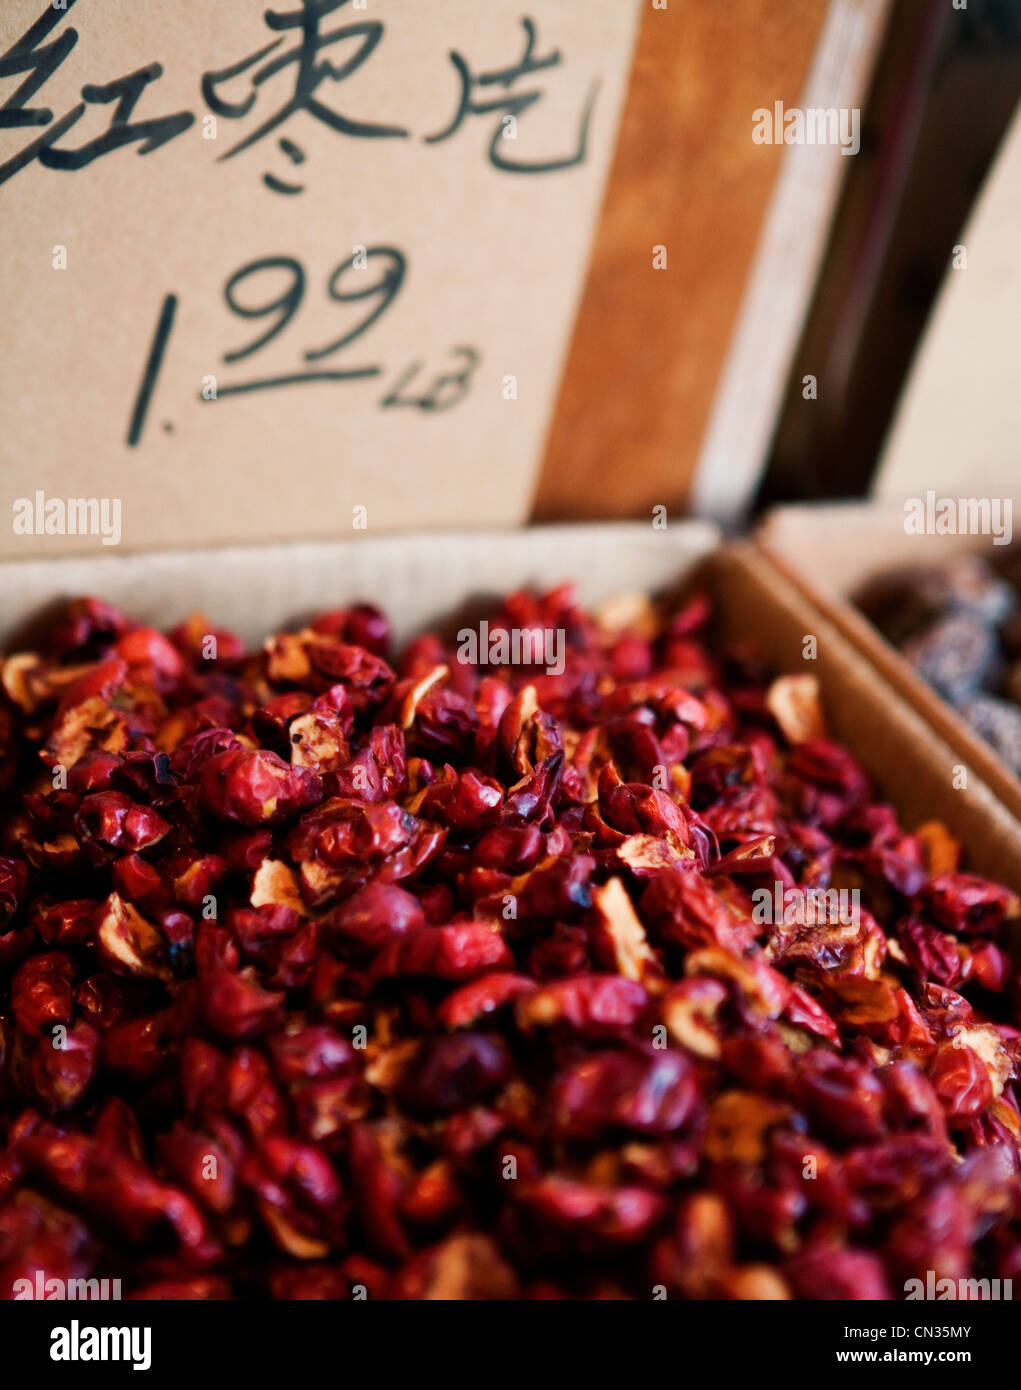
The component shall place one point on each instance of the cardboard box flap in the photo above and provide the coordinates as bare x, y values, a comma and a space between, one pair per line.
415, 579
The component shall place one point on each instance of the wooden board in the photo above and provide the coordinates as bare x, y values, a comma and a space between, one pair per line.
649, 344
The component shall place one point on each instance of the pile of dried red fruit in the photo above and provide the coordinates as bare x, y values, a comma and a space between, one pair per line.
324, 974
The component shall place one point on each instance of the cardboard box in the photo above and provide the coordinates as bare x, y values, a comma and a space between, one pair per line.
427, 579
829, 553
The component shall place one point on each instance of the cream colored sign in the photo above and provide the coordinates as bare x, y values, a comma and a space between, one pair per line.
297, 271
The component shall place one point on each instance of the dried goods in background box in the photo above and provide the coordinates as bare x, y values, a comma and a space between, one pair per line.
959, 624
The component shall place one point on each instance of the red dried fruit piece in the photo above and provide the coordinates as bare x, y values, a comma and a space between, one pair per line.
685, 910
309, 1051
967, 903
961, 1080
842, 1096
375, 916
41, 992
278, 941
933, 953
13, 883
620, 933
128, 942
137, 1047
205, 1163
100, 682
448, 1074
468, 804
317, 741
456, 951
112, 821
366, 677
235, 1004
93, 772
85, 623
594, 1005
559, 888
589, 1213
793, 701
66, 923
362, 624
483, 996
527, 734
466, 1267
824, 1271
444, 722
203, 644
63, 1066
150, 658
380, 1178
757, 985
932, 1232
690, 1012
255, 788
139, 882
990, 967
738, 1127
624, 1090
191, 755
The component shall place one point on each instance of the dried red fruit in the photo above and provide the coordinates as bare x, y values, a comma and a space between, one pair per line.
961, 1080
41, 992
318, 973
453, 952
375, 916
112, 821
256, 787
613, 1090
13, 882
450, 1073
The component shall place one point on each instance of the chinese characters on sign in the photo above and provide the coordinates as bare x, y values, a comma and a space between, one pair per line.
350, 233
299, 70
304, 78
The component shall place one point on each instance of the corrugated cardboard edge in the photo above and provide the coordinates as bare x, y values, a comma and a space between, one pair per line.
827, 552
422, 579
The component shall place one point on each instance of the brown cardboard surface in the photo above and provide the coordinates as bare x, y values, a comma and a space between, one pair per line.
423, 579
416, 579
829, 552
494, 259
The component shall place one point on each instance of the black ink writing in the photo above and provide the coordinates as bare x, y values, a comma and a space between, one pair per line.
513, 104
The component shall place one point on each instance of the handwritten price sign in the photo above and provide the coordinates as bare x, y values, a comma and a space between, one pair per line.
269, 269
